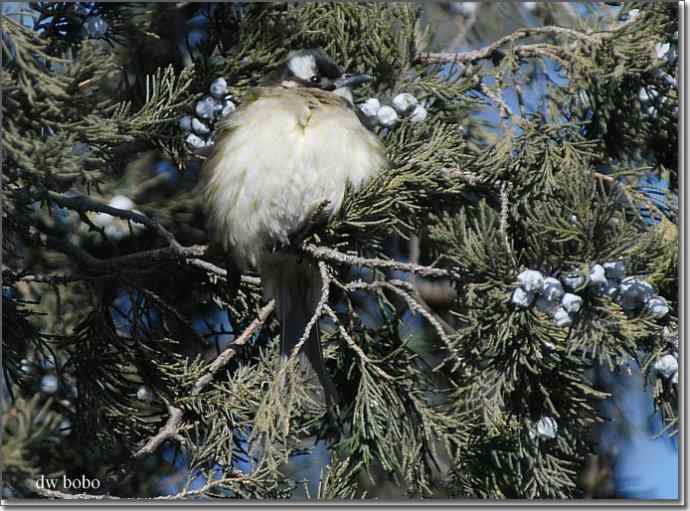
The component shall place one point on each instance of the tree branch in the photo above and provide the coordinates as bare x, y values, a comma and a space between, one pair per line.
329, 254
226, 355
84, 203
493, 49
167, 432
135, 260
56, 494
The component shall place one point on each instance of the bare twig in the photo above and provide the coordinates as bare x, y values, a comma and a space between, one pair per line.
209, 485
229, 352
503, 221
57, 494
493, 49
504, 109
57, 278
323, 301
145, 258
220, 272
329, 254
170, 430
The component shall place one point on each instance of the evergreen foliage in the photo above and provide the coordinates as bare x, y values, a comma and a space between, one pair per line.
110, 300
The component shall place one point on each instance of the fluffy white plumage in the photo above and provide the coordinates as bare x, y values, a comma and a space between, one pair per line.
281, 156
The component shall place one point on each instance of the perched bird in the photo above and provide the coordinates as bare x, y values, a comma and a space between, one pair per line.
292, 145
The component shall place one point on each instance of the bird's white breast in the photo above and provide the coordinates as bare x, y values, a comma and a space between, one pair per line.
281, 158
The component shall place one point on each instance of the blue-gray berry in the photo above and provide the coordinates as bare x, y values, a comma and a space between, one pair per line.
614, 270
553, 289
206, 107
370, 107
404, 103
228, 108
387, 116
185, 123
561, 318
543, 304
144, 394
195, 141
219, 88
573, 281
666, 366
27, 367
597, 276
419, 114
65, 427
522, 298
572, 303
49, 384
531, 281
657, 307
200, 128
633, 293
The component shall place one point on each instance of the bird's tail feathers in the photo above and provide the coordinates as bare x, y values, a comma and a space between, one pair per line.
296, 287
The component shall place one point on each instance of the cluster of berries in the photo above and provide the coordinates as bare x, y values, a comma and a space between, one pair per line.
403, 105
559, 299
208, 110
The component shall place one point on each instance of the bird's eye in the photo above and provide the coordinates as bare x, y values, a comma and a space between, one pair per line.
315, 79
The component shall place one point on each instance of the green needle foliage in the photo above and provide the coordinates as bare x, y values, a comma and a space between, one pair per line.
114, 301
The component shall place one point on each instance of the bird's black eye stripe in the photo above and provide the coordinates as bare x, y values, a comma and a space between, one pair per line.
315, 79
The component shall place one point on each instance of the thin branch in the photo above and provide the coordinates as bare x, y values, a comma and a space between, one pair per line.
145, 258
57, 494
209, 485
220, 272
57, 278
493, 49
84, 203
504, 109
169, 431
323, 302
506, 188
329, 254
229, 352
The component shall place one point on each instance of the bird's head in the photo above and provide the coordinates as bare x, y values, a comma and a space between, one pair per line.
314, 68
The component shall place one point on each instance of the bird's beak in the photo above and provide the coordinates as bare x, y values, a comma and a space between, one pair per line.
351, 81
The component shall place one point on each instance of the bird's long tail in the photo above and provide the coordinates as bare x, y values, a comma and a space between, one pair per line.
296, 286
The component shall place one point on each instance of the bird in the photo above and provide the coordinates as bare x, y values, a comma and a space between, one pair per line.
287, 154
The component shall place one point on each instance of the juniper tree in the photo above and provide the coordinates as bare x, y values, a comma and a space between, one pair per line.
471, 288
